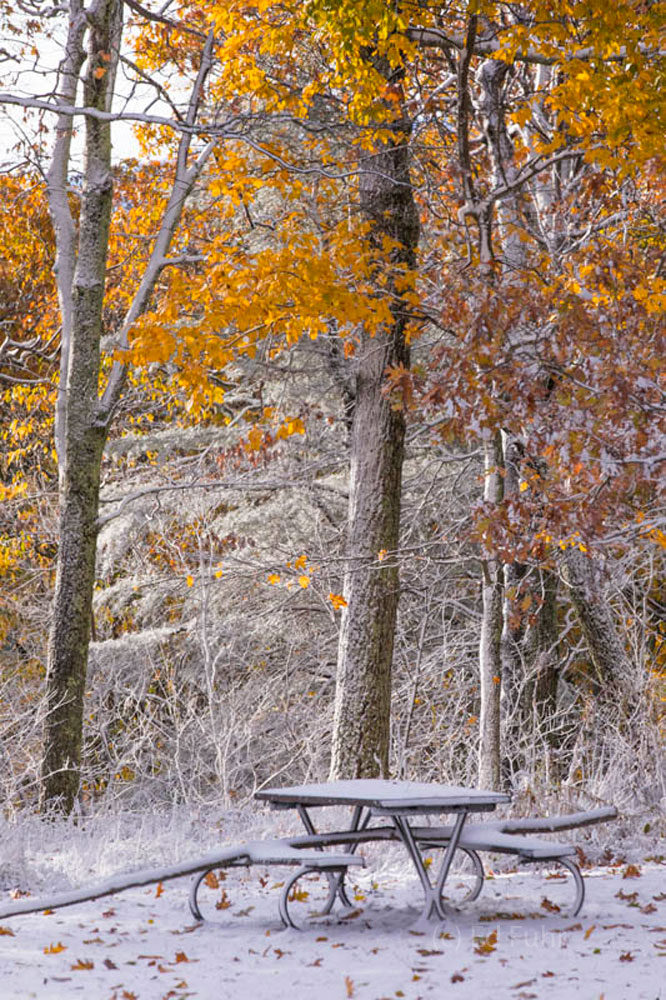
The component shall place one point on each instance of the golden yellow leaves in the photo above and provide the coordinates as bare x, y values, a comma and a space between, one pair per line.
338, 601
82, 964
54, 949
486, 945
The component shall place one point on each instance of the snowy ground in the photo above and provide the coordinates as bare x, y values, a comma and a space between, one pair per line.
144, 945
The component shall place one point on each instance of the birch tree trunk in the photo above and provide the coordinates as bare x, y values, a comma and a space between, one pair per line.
361, 725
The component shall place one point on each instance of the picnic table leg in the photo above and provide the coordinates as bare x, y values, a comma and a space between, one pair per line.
433, 893
336, 879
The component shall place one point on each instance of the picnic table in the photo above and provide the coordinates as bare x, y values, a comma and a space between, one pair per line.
399, 802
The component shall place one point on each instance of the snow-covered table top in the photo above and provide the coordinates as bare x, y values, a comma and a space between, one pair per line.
389, 796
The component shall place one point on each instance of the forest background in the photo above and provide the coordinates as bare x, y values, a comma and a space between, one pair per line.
332, 430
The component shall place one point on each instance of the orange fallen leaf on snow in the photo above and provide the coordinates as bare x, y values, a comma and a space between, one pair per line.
160, 890
6, 930
486, 945
83, 963
53, 949
632, 871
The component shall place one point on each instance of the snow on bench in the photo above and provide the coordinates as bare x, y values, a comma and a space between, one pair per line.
257, 852
508, 837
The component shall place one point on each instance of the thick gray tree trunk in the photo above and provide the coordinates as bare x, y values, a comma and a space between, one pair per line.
613, 675
82, 416
82, 435
363, 694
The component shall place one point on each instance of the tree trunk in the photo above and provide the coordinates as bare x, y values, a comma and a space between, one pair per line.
83, 434
82, 416
490, 643
613, 671
363, 693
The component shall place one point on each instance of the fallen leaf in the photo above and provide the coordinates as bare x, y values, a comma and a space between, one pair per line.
349, 986
159, 890
181, 957
429, 951
589, 931
53, 949
83, 963
626, 956
486, 945
547, 904
7, 931
457, 978
632, 871
109, 964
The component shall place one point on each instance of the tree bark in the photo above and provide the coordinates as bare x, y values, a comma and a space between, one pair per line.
83, 417
490, 642
83, 435
361, 727
612, 667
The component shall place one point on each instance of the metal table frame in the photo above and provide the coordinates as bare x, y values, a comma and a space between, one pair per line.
397, 801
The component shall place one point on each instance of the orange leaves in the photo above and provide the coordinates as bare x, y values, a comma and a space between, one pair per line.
338, 601
82, 965
486, 945
55, 949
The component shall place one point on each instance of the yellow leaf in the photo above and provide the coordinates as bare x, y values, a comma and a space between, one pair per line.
300, 562
53, 949
274, 578
381, 555
304, 581
254, 439
189, 581
337, 600
523, 486
83, 964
